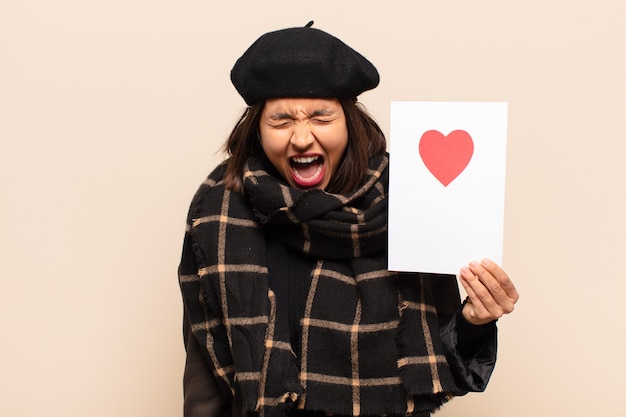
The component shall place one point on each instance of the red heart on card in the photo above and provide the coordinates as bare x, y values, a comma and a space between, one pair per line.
446, 156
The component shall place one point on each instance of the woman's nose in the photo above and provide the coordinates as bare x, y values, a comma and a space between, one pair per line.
302, 136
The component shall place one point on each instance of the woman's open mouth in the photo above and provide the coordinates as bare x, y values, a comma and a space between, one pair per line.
307, 171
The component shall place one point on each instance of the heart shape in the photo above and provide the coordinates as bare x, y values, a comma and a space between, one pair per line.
446, 156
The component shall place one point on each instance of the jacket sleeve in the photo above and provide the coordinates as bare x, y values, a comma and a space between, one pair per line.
202, 396
470, 350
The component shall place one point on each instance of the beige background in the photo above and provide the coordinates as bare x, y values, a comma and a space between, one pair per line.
111, 113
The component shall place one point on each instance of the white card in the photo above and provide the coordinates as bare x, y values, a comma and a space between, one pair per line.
446, 184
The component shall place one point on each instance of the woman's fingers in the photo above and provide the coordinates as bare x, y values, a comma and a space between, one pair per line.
481, 307
503, 279
491, 292
473, 311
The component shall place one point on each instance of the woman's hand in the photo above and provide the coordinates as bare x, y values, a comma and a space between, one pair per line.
491, 293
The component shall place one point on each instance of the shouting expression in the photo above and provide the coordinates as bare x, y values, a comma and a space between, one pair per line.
304, 138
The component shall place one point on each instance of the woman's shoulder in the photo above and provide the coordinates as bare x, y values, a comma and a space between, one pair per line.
208, 191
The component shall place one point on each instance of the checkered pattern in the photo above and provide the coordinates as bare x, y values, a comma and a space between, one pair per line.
370, 342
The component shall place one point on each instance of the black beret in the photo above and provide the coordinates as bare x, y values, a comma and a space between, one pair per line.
301, 62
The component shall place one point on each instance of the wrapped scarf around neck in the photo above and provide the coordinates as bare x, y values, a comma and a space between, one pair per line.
370, 343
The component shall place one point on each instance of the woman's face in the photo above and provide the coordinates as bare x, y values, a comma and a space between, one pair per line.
304, 138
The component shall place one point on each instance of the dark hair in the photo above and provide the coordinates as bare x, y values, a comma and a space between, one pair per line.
365, 140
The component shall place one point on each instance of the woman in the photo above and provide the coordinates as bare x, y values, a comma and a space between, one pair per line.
289, 306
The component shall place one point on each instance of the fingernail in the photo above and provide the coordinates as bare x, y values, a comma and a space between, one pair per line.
474, 264
485, 262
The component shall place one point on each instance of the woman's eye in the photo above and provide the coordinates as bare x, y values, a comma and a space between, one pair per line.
281, 124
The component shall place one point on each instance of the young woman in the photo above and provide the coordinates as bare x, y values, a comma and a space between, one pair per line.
289, 306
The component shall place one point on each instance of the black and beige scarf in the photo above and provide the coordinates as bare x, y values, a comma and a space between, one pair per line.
369, 337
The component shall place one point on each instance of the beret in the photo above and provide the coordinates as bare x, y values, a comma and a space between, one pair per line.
301, 62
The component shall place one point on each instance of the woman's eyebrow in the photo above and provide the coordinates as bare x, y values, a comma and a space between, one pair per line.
322, 112
280, 116
315, 113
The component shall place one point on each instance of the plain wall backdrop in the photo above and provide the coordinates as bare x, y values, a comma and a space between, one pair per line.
112, 113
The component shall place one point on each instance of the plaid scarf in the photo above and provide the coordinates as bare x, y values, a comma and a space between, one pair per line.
370, 341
